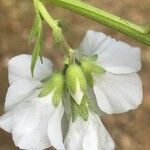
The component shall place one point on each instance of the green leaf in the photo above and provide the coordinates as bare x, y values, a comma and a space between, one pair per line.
36, 33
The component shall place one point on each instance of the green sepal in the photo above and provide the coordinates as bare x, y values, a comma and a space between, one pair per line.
81, 110
74, 76
67, 104
74, 110
90, 66
45, 79
55, 85
89, 78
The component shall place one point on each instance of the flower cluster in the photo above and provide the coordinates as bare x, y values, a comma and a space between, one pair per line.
62, 108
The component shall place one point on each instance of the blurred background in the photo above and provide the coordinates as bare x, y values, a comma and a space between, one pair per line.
131, 131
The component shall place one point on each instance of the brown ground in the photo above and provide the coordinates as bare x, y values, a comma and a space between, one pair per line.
131, 131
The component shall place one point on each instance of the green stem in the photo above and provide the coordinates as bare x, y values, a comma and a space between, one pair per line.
137, 32
57, 32
52, 23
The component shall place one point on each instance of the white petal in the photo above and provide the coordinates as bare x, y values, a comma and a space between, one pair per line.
6, 122
19, 67
96, 136
118, 57
118, 93
54, 128
76, 134
29, 123
20, 90
92, 42
114, 56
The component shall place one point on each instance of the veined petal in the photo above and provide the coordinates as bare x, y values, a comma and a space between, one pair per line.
96, 136
54, 128
20, 90
118, 93
114, 56
76, 134
28, 122
19, 67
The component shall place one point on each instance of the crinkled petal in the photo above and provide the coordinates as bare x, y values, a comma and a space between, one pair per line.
76, 134
54, 128
114, 56
118, 93
28, 123
20, 90
19, 67
96, 136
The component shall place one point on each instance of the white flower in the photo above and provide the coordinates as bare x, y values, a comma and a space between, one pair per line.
103, 80
31, 119
119, 89
88, 135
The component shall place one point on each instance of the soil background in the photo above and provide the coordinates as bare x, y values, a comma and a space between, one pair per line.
131, 130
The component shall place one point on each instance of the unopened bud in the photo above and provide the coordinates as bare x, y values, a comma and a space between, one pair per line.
76, 82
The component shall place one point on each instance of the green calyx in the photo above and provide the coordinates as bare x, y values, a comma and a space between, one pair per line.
54, 85
72, 81
75, 75
81, 110
89, 66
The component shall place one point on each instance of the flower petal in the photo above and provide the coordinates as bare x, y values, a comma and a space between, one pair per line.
118, 93
20, 90
6, 122
91, 43
114, 56
119, 57
96, 136
19, 67
54, 128
76, 134
29, 122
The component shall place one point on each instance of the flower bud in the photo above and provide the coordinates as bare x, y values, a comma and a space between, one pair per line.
55, 86
76, 82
